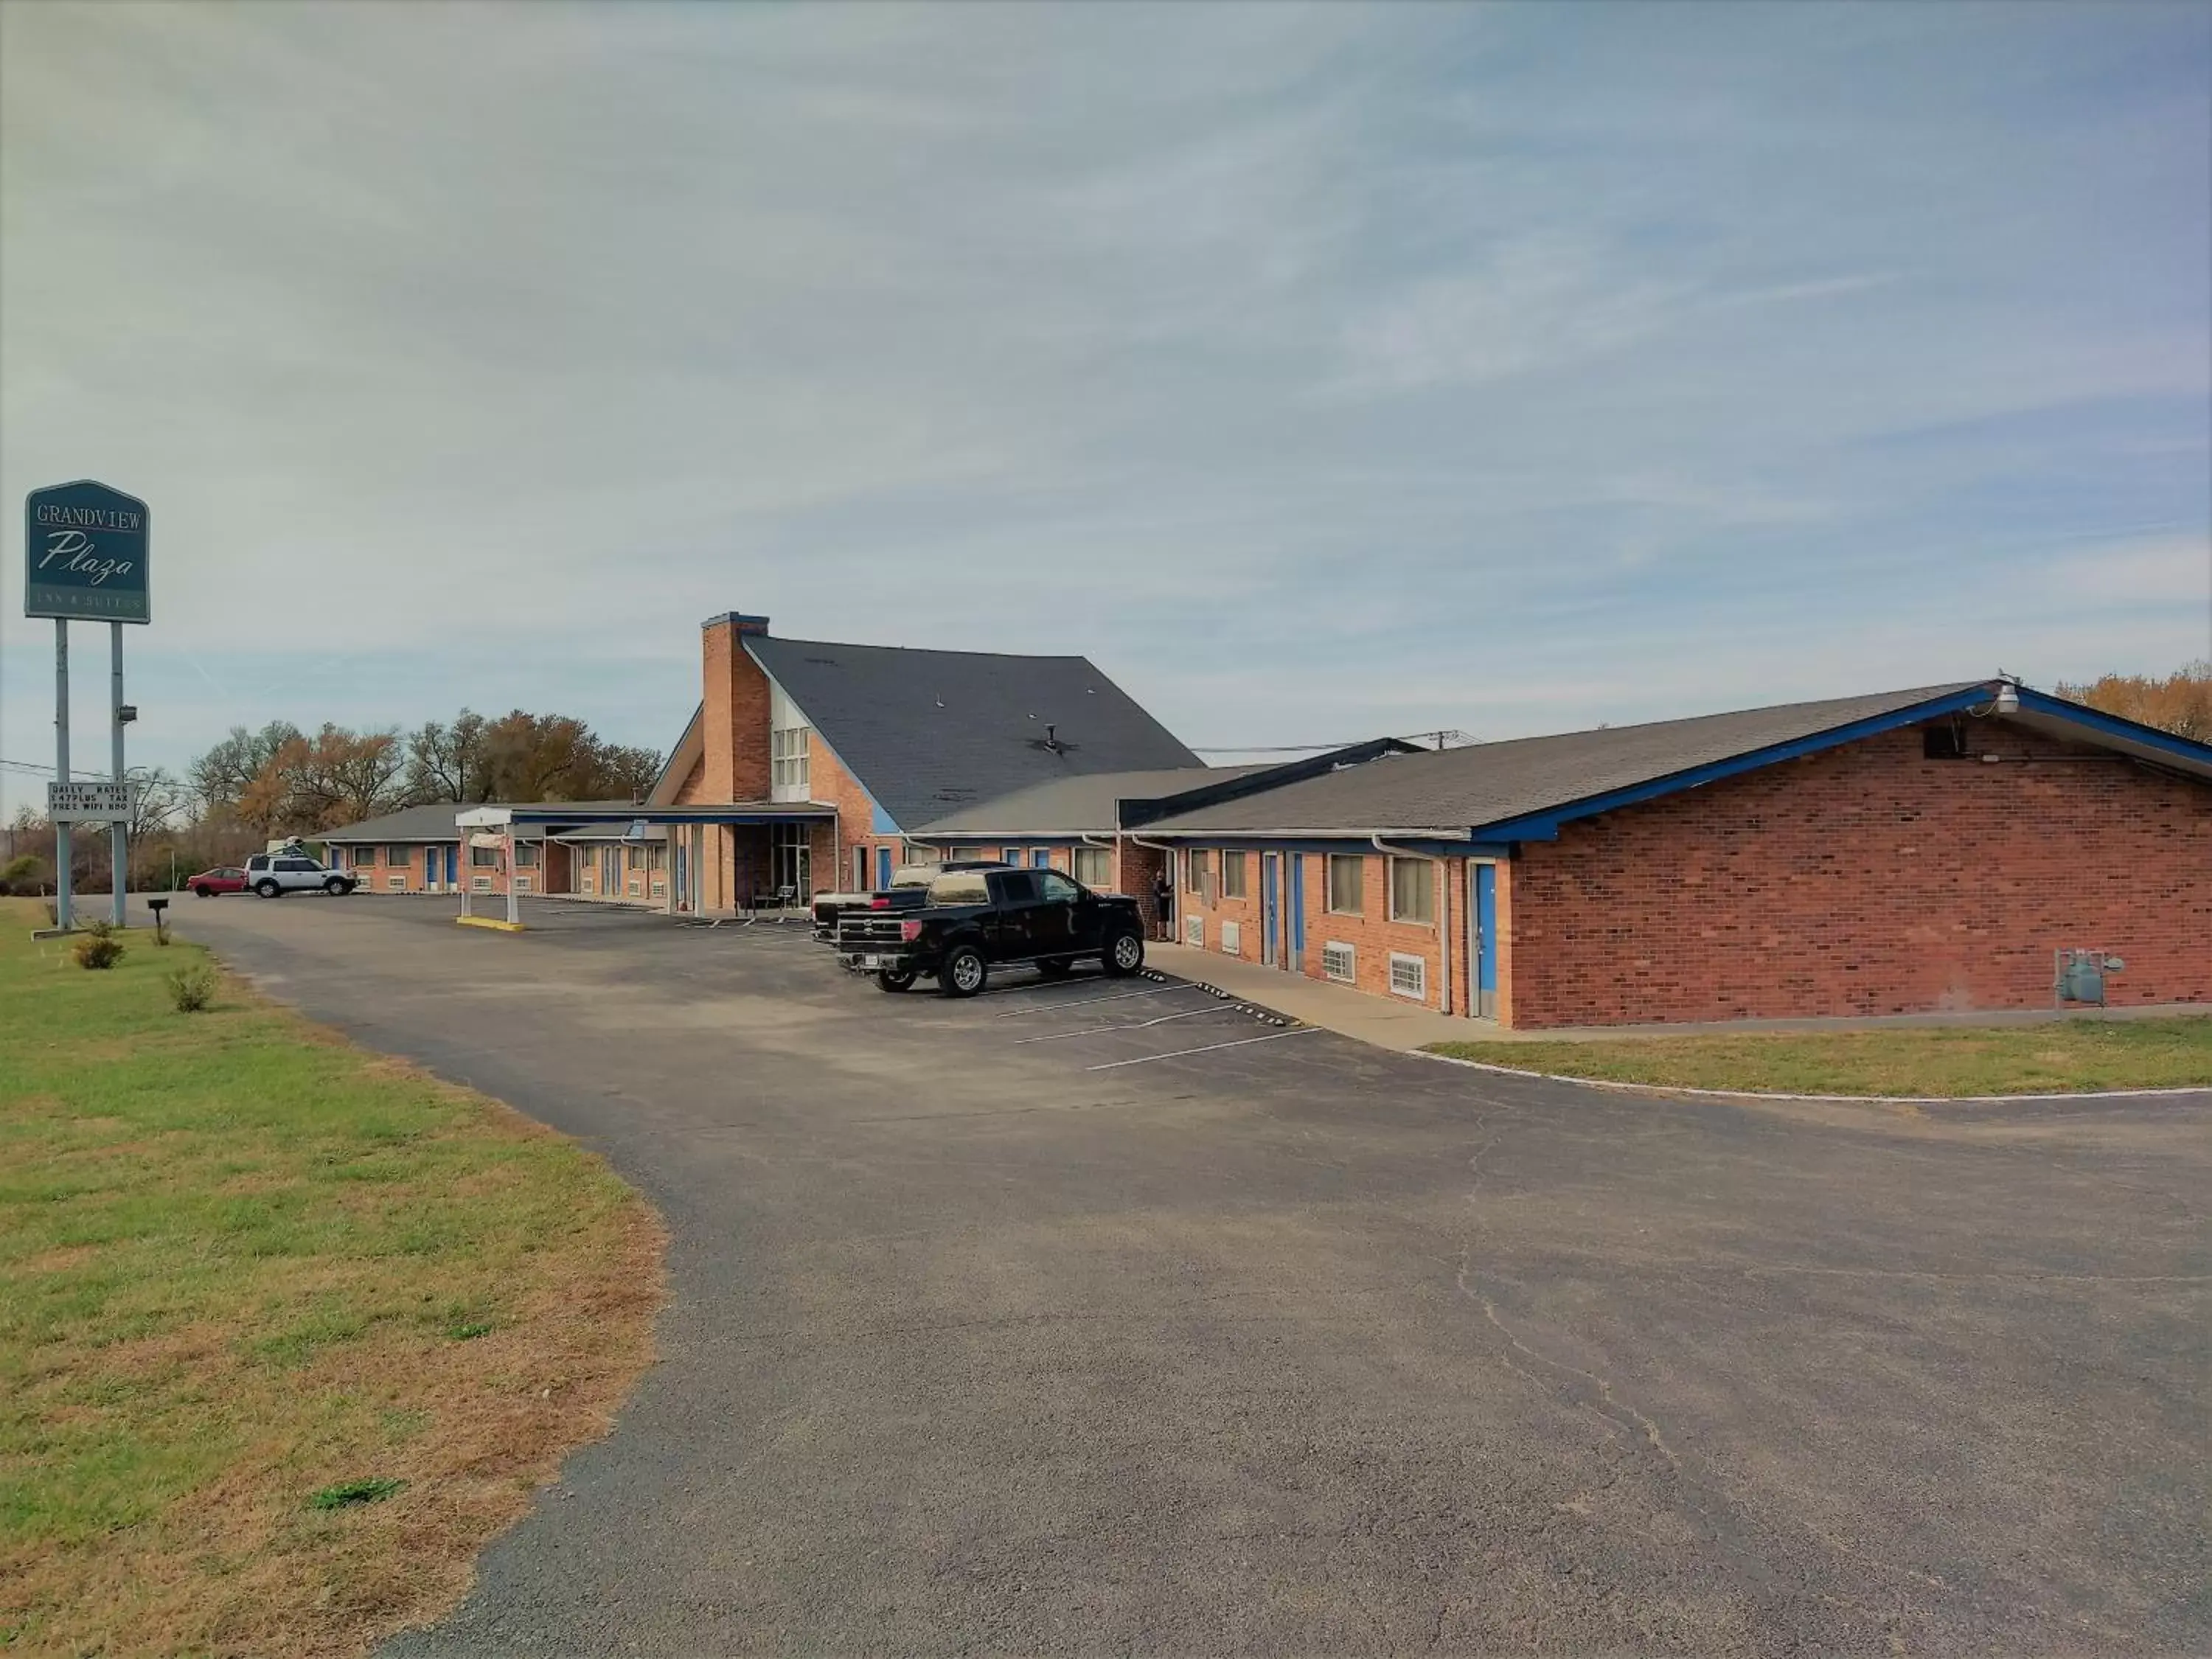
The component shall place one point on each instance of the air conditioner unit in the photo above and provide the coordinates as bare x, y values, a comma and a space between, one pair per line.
1232, 938
396, 884
1409, 976
1193, 931
1338, 962
480, 883
522, 884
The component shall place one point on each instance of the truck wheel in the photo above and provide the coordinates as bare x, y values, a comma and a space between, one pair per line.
888, 981
1125, 954
964, 972
1055, 966
335, 886
268, 889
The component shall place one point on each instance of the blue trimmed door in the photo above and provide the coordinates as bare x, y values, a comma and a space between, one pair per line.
452, 866
883, 869
1297, 913
1271, 909
1484, 942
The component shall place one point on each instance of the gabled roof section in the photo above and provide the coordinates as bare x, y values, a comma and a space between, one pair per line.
1077, 806
681, 759
1523, 789
929, 732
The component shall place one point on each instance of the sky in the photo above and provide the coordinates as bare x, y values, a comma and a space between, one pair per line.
1317, 371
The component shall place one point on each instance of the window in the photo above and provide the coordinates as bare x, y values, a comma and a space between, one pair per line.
634, 857
525, 854
1409, 976
1338, 962
1094, 865
1195, 870
1058, 887
789, 762
483, 858
789, 859
1414, 891
396, 855
961, 887
1010, 856
1232, 875
1018, 887
297, 867
1347, 885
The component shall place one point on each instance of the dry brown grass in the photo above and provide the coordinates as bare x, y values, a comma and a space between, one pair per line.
166, 1419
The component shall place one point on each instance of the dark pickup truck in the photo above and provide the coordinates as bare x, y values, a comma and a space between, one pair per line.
909, 890
975, 920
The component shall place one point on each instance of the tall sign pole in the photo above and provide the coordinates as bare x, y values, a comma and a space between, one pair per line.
84, 558
64, 853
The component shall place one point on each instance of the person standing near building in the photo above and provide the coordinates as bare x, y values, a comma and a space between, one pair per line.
1164, 898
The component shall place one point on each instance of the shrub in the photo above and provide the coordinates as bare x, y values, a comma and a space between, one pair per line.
191, 987
99, 947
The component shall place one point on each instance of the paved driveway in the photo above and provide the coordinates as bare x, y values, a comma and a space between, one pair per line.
983, 1340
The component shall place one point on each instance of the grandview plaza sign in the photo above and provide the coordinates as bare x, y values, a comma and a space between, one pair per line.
84, 554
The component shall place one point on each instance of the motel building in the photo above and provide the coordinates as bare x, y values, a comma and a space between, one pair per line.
1951, 848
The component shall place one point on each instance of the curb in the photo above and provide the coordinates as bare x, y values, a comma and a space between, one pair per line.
1852, 1100
1238, 1005
488, 921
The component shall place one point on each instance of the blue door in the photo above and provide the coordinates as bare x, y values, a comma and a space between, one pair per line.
1486, 940
1271, 915
1040, 858
1297, 913
453, 864
883, 868
680, 874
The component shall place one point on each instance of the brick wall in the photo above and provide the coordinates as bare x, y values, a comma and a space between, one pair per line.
1866, 880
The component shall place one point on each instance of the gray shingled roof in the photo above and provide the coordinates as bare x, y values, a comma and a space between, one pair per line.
1456, 791
435, 822
927, 733
1077, 805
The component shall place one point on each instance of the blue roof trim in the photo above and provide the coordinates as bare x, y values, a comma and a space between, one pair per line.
1545, 826
2114, 726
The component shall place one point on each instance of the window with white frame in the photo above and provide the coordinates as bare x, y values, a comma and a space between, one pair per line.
1347, 885
483, 858
1409, 976
1094, 866
396, 855
1195, 862
790, 748
1338, 962
525, 854
1414, 891
1232, 875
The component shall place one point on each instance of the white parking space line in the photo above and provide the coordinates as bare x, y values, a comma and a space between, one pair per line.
1140, 1026
1084, 1002
1145, 1059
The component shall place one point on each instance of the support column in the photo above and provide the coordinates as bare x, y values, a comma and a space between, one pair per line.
118, 833
513, 887
64, 901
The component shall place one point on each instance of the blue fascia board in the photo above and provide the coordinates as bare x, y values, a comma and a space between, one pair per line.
2114, 726
1545, 826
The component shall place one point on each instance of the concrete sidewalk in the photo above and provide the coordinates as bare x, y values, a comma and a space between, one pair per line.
1386, 1022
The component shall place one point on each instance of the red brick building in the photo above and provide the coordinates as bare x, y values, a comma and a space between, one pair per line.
1912, 852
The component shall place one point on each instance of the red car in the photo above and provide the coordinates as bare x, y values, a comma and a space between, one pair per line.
229, 879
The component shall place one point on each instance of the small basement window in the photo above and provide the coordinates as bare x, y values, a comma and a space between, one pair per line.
1338, 962
1409, 976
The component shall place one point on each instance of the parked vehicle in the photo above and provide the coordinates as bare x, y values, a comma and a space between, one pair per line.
225, 878
908, 891
973, 920
272, 875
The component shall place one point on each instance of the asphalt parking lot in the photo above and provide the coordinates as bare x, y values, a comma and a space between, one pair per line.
1098, 1316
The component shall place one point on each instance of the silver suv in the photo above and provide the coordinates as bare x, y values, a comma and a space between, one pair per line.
272, 875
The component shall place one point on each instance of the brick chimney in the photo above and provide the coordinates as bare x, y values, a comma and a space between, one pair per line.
733, 713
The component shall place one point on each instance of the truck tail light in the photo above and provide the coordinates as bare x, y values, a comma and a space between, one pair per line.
909, 931
880, 904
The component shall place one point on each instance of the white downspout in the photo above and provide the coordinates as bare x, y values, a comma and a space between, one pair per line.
1443, 914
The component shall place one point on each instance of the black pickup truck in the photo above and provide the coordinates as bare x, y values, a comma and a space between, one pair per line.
975, 920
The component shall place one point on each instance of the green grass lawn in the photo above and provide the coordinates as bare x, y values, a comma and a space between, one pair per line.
1958, 1060
287, 1331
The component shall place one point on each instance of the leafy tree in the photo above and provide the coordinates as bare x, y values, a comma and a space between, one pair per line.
2180, 703
447, 763
221, 776
336, 777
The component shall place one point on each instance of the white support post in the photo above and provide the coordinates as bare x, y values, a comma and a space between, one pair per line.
461, 869
668, 850
118, 833
63, 899
513, 888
